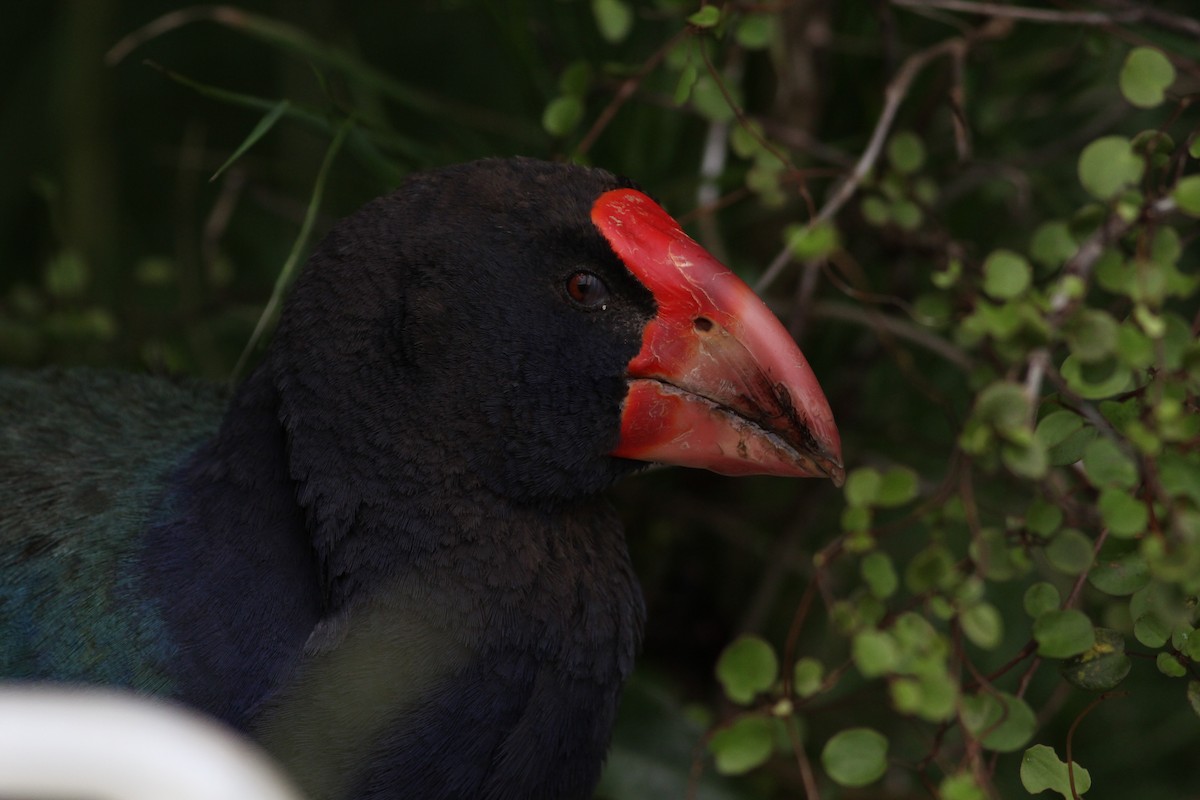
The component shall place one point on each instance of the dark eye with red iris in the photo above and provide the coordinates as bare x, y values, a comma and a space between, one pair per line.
587, 290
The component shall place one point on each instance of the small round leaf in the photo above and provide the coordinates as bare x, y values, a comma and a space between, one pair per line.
862, 486
1145, 77
1187, 195
898, 486
1125, 516
1108, 466
706, 17
1062, 634
879, 574
742, 746
1070, 552
983, 625
906, 152
1108, 165
614, 18
1006, 274
1041, 598
984, 715
562, 115
807, 677
875, 653
746, 667
855, 757
1102, 666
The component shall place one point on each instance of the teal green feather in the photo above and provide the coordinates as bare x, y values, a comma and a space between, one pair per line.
83, 459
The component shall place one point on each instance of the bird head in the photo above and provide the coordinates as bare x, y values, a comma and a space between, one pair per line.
547, 327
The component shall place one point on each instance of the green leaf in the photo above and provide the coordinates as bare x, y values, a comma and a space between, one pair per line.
1151, 630
744, 745
874, 652
755, 31
906, 214
1187, 195
1070, 450
1125, 516
996, 557
1091, 335
710, 101
1052, 244
687, 79
66, 274
961, 786
1107, 465
983, 625
265, 124
1041, 598
1057, 426
1193, 696
932, 568
948, 277
1108, 165
1105, 381
1070, 552
706, 17
1005, 722
1006, 274
857, 518
747, 666
855, 757
1043, 518
1168, 664
1145, 77
906, 152
1102, 666
876, 210
1026, 460
614, 19
1062, 634
813, 242
879, 574
807, 676
1134, 348
1004, 405
1119, 573
575, 79
862, 486
899, 486
562, 115
1041, 769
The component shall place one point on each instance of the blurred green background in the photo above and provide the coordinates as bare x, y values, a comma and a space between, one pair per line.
119, 248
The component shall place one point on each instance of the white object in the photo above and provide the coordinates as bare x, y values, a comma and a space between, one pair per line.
59, 742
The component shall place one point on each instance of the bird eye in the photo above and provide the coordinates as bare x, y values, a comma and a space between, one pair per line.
587, 290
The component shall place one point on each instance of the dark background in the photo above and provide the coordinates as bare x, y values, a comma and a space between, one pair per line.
116, 249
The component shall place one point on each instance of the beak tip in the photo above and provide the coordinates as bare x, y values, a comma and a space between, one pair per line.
837, 474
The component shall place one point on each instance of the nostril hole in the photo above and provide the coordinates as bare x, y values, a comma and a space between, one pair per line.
703, 324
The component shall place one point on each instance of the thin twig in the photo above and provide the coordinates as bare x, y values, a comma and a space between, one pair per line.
806, 772
1022, 12
1128, 14
626, 90
1063, 302
894, 95
1071, 736
896, 326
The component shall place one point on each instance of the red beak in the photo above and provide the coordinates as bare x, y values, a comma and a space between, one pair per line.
718, 383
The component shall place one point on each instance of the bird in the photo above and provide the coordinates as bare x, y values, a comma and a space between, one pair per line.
388, 555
